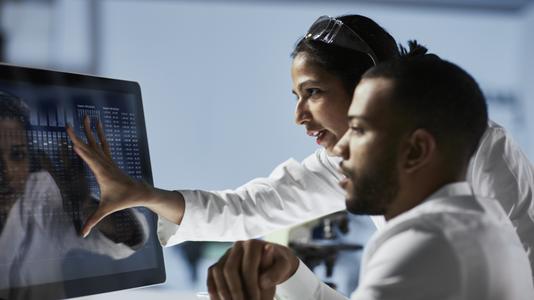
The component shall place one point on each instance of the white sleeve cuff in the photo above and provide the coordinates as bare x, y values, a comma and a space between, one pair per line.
303, 285
169, 233
166, 230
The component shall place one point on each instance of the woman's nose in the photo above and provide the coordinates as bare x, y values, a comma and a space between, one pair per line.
302, 113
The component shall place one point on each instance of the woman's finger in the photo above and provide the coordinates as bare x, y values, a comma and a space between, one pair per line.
92, 161
101, 212
75, 139
103, 141
91, 141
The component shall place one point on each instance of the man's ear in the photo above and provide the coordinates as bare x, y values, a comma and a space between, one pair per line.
420, 148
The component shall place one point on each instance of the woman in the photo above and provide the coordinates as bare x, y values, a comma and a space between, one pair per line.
327, 65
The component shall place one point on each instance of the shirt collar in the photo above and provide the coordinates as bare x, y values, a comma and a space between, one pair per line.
455, 189
462, 188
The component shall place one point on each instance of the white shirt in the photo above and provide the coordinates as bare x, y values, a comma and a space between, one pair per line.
500, 170
297, 192
452, 246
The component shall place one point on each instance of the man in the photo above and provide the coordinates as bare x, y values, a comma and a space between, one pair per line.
413, 125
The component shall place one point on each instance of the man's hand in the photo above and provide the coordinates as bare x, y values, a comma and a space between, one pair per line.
251, 270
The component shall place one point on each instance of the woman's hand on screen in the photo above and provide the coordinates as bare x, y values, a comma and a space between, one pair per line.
117, 190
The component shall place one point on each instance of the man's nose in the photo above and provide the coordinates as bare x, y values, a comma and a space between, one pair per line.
302, 113
342, 146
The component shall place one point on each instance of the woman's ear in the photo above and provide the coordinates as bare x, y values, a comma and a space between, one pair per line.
420, 148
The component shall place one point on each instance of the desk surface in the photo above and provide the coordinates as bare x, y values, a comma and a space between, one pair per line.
152, 293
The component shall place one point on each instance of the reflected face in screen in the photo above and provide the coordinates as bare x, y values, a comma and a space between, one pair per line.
14, 161
322, 101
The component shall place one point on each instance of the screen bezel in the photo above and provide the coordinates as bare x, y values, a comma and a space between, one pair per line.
105, 283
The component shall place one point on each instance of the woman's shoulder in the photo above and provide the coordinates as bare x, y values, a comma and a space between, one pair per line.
41, 186
322, 161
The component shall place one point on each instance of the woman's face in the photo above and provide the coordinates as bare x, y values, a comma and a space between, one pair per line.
322, 101
14, 160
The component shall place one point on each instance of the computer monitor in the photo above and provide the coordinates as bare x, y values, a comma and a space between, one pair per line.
47, 191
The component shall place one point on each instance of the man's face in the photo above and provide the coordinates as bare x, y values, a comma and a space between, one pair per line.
14, 160
370, 150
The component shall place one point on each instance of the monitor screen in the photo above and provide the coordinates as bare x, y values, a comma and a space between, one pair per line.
47, 191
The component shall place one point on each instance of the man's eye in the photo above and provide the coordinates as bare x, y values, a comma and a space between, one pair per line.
313, 91
295, 95
357, 130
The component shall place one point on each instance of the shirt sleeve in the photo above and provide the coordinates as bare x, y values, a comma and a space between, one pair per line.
500, 170
293, 193
411, 265
304, 285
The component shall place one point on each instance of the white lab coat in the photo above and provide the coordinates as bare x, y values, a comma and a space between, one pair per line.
454, 245
297, 192
38, 234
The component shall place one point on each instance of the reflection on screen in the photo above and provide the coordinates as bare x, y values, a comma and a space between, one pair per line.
46, 192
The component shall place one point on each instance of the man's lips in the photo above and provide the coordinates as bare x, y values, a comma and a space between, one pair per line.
346, 178
344, 182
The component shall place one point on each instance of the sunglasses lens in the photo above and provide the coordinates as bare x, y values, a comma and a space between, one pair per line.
320, 27
332, 31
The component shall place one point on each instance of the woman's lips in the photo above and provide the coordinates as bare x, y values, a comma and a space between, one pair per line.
320, 137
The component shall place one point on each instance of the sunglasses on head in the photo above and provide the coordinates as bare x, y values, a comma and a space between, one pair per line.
332, 31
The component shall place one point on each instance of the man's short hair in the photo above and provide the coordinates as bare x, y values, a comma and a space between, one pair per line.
436, 95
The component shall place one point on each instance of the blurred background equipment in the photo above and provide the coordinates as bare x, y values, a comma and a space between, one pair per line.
325, 242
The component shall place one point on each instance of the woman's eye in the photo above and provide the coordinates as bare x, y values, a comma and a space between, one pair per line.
18, 155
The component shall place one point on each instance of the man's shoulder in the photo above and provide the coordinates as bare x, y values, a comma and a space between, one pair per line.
469, 252
451, 219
